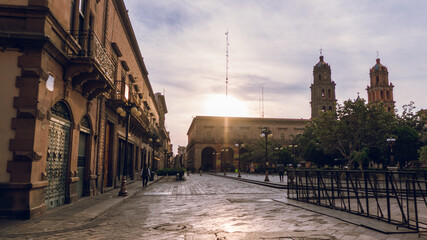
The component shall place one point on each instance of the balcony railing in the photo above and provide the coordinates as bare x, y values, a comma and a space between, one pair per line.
91, 47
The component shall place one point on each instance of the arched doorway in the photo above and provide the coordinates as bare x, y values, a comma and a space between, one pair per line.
208, 159
82, 160
227, 161
57, 155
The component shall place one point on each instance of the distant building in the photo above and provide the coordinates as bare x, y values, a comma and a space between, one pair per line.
380, 89
211, 140
322, 89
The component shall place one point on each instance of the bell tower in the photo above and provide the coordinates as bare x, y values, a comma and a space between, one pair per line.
380, 90
322, 89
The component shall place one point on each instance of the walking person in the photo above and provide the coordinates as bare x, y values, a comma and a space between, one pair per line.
145, 174
281, 169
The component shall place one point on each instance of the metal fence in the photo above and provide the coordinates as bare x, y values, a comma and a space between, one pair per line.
397, 197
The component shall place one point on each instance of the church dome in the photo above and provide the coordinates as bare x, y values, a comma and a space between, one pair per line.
321, 62
378, 66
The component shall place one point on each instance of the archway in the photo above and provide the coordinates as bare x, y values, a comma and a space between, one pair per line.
57, 155
227, 161
208, 159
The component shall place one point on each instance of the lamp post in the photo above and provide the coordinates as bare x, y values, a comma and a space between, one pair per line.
391, 142
265, 132
239, 145
125, 111
153, 140
292, 148
224, 164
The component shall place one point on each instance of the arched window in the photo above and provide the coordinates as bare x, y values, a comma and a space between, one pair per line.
388, 95
330, 108
323, 108
378, 80
382, 95
323, 92
329, 93
320, 77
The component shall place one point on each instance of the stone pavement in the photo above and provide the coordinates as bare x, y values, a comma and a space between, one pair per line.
70, 216
202, 207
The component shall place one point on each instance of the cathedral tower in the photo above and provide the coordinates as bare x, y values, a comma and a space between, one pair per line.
380, 89
322, 89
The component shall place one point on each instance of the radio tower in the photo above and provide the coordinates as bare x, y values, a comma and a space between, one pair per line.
226, 65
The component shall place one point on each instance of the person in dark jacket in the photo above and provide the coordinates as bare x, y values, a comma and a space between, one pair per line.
145, 174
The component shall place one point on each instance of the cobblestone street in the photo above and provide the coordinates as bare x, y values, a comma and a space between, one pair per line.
211, 207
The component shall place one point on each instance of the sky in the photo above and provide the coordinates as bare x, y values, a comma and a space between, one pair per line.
273, 46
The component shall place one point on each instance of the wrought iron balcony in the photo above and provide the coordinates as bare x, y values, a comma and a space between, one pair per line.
91, 67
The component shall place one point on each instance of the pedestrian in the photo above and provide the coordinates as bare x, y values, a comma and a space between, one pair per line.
281, 169
145, 174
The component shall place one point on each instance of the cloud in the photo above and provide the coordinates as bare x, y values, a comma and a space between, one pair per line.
275, 44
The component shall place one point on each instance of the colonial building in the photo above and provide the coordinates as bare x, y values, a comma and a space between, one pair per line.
212, 140
380, 89
322, 89
66, 68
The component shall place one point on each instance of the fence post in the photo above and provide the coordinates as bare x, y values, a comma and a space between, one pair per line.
332, 189
415, 203
387, 196
366, 175
306, 185
318, 187
348, 190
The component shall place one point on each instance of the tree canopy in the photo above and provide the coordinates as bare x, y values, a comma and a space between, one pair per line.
357, 132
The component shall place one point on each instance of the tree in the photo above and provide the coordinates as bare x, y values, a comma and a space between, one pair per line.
256, 152
354, 127
406, 146
285, 157
423, 154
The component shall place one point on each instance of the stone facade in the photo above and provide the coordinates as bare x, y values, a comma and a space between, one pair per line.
380, 89
66, 67
211, 140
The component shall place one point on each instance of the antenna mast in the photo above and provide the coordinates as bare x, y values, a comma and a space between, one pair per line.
226, 66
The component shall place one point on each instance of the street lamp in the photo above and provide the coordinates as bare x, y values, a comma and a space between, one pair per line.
239, 145
265, 132
126, 110
153, 140
292, 148
391, 142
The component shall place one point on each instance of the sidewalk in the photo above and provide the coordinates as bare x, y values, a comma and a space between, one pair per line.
274, 178
69, 216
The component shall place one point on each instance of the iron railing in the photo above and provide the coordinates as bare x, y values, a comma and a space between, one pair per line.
91, 47
397, 197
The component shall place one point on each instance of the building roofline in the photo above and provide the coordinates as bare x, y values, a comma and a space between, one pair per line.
251, 119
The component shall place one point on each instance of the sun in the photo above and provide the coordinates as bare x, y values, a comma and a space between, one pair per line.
221, 105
